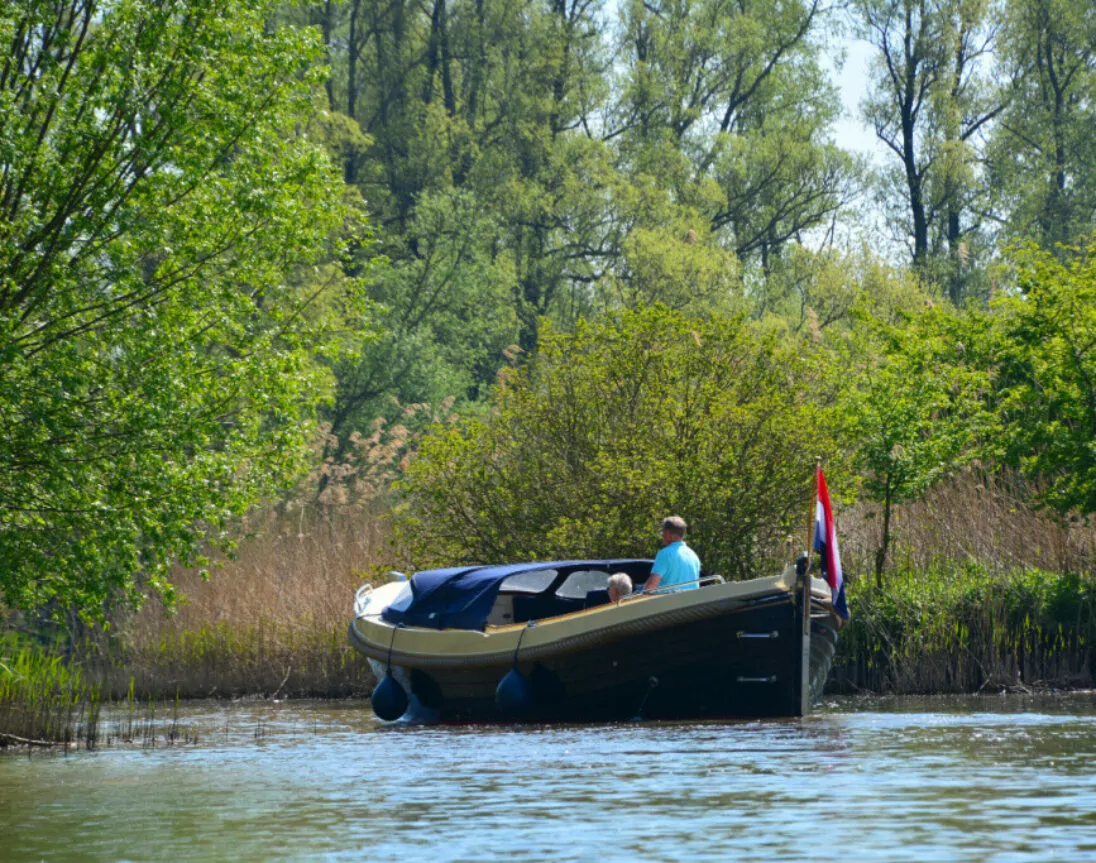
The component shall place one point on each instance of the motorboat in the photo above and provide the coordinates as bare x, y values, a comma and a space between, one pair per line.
541, 641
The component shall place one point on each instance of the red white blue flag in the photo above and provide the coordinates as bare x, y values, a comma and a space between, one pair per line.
825, 543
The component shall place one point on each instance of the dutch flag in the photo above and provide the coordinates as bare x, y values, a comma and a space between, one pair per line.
825, 543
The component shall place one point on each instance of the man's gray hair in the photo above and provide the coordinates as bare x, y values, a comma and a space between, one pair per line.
675, 524
621, 583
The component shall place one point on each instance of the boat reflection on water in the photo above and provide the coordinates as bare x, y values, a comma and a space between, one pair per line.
542, 642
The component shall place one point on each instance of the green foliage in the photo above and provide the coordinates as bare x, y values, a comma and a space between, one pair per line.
443, 319
724, 104
1045, 347
477, 107
811, 291
673, 268
1043, 152
966, 628
615, 426
932, 97
915, 406
43, 698
567, 159
157, 379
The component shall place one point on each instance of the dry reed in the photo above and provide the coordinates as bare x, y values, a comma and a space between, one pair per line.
990, 519
271, 622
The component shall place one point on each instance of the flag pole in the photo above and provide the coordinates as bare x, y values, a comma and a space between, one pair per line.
814, 510
804, 603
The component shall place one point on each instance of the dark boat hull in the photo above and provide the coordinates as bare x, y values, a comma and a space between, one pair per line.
754, 661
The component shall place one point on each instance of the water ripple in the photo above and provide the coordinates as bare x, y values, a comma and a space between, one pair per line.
929, 780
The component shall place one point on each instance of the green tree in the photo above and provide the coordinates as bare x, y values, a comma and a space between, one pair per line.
616, 425
1043, 154
1045, 349
485, 109
930, 104
444, 321
725, 105
158, 200
915, 406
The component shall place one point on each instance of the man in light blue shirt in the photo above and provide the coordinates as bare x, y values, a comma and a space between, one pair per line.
676, 565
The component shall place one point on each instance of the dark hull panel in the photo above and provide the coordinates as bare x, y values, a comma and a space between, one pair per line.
746, 663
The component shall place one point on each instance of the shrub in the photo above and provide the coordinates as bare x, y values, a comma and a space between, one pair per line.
616, 425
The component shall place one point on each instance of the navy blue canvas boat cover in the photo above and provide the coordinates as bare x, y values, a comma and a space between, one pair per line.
461, 597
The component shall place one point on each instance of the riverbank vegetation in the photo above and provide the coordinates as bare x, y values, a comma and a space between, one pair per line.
271, 622
44, 699
969, 629
292, 294
50, 700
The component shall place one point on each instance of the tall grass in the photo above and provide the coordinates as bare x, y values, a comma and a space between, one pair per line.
271, 622
966, 629
44, 700
984, 590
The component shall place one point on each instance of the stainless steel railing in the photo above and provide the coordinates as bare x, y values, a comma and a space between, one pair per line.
703, 581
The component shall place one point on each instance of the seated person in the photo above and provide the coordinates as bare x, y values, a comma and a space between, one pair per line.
620, 585
676, 565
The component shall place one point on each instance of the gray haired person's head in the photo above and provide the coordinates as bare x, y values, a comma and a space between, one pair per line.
620, 584
675, 524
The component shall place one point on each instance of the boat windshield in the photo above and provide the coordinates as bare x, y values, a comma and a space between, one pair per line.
536, 581
582, 581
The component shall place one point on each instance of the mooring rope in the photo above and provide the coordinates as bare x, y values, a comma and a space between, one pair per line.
528, 626
392, 644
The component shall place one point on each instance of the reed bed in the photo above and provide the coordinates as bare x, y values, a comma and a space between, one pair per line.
48, 700
968, 629
44, 700
984, 590
272, 622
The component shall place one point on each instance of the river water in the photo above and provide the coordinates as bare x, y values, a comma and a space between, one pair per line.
991, 778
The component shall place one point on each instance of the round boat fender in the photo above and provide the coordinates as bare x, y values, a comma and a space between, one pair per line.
514, 694
389, 699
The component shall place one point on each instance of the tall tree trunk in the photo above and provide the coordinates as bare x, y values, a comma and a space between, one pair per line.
326, 27
478, 66
914, 182
351, 168
437, 59
910, 104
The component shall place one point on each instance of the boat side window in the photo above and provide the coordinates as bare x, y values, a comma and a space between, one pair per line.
582, 581
537, 581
